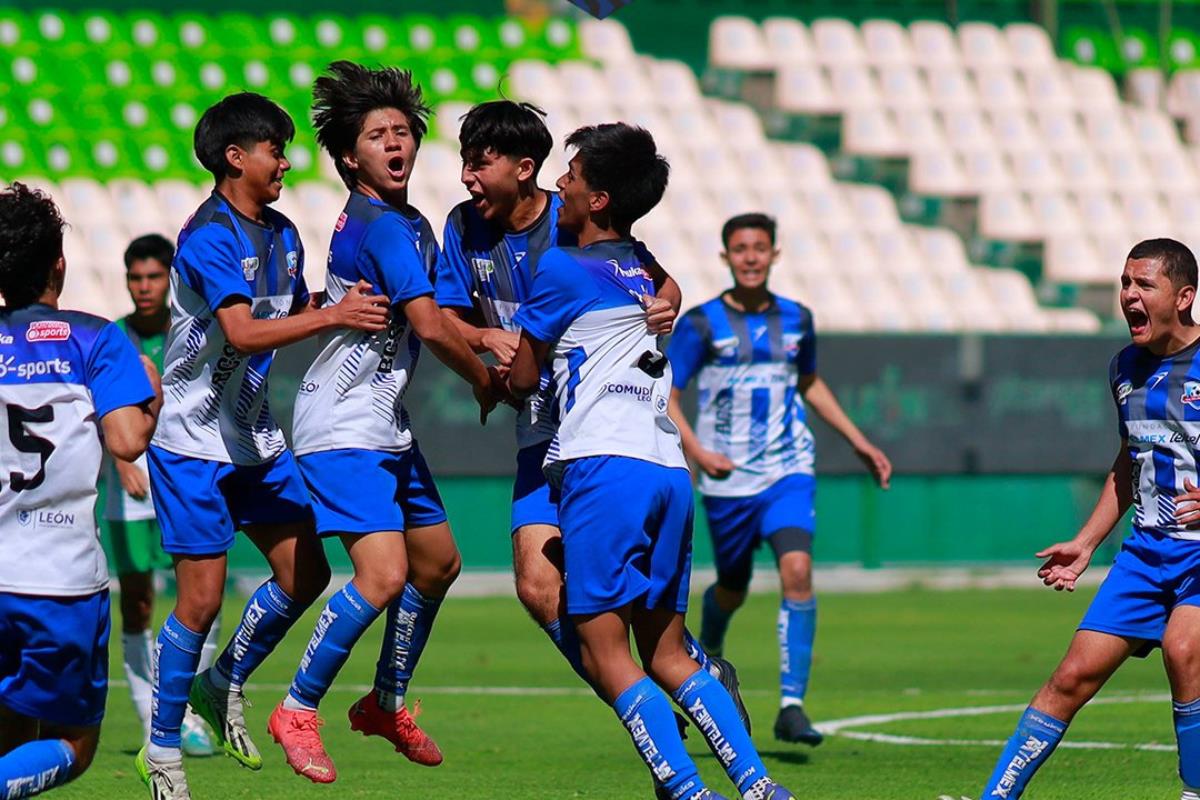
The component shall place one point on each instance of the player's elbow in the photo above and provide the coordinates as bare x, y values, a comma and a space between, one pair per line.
128, 439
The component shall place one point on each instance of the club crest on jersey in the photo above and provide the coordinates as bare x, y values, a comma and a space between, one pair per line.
249, 267
293, 262
48, 330
727, 347
24, 517
1124, 389
791, 343
1191, 394
341, 223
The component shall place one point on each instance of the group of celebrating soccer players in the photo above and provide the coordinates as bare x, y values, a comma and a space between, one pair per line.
569, 310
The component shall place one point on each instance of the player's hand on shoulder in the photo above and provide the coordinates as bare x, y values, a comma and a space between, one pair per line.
1187, 505
877, 464
660, 315
135, 482
362, 310
715, 465
1065, 563
502, 344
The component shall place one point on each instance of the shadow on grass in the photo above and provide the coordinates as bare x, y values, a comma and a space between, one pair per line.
785, 756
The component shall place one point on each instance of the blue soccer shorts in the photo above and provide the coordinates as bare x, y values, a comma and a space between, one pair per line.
54, 657
200, 503
1151, 575
365, 491
627, 534
784, 514
533, 501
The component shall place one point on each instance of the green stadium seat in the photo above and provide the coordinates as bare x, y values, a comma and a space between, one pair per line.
382, 37
195, 34
426, 36
1139, 49
241, 32
104, 29
471, 34
150, 31
285, 31
1183, 49
15, 30
303, 154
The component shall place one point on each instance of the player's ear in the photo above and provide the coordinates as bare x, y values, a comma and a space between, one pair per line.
525, 169
1185, 297
58, 274
598, 201
235, 157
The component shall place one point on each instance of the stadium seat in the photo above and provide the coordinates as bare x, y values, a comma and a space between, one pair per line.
966, 129
1146, 87
886, 43
1013, 130
983, 46
1096, 87
1145, 214
1048, 89
854, 86
1036, 171
737, 43
998, 89
934, 45
938, 172
1081, 170
674, 84
1060, 129
1056, 212
1127, 171
605, 40
902, 87
870, 132
802, 88
873, 207
804, 165
788, 41
1107, 130
1030, 47
837, 42
949, 88
1005, 216
920, 129
1071, 258
986, 170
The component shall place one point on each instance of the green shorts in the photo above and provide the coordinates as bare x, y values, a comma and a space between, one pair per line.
136, 546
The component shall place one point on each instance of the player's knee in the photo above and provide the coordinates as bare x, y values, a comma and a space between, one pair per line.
730, 599
84, 748
1182, 655
1074, 680
541, 597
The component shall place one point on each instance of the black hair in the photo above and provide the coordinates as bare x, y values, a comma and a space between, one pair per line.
31, 243
1174, 257
756, 220
343, 98
243, 119
623, 161
152, 245
516, 130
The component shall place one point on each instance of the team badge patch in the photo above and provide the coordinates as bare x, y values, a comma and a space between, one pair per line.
293, 262
341, 223
1191, 394
483, 268
48, 330
249, 267
726, 348
24, 517
791, 344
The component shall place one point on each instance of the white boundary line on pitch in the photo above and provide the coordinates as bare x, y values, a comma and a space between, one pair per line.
841, 727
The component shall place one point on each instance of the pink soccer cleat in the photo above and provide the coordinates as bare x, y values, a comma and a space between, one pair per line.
298, 733
399, 728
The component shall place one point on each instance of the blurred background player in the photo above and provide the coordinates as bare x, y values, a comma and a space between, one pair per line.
71, 378
491, 249
369, 482
134, 536
219, 461
755, 355
1150, 597
624, 491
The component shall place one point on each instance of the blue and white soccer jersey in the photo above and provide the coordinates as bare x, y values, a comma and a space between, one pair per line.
625, 506
750, 411
486, 268
1158, 567
218, 461
61, 372
351, 431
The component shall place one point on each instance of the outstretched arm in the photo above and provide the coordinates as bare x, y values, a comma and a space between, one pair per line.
500, 343
1066, 561
820, 398
359, 309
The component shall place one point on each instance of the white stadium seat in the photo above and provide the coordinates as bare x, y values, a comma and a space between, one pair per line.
982, 45
1006, 216
1094, 88
1029, 46
1035, 170
1071, 258
1048, 88
1146, 87
998, 88
942, 250
920, 129
737, 43
788, 41
949, 88
854, 86
805, 164
871, 132
886, 43
605, 40
873, 207
986, 170
837, 42
902, 87
966, 129
803, 89
938, 172
1081, 170
934, 45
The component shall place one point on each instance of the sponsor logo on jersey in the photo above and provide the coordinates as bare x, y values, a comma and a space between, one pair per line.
293, 262
727, 347
484, 268
1191, 394
308, 387
341, 223
1124, 389
660, 403
632, 272
45, 518
32, 369
48, 330
791, 343
249, 267
5, 338
641, 393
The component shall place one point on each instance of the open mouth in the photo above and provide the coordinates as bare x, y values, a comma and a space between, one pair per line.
1139, 323
396, 167
478, 200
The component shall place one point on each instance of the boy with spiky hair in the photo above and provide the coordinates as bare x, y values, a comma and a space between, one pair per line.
369, 482
70, 379
622, 484
219, 462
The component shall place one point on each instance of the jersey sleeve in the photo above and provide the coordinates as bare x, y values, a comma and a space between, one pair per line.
390, 260
452, 288
645, 257
300, 296
685, 351
115, 375
556, 298
1114, 388
806, 359
210, 265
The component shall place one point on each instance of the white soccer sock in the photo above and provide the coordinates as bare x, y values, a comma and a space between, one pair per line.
1190, 794
791, 701
292, 704
389, 701
137, 652
208, 651
163, 755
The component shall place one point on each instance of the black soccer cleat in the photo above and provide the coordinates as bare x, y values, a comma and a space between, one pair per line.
793, 725
726, 674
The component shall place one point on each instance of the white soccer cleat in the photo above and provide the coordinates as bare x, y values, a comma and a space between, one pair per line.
166, 781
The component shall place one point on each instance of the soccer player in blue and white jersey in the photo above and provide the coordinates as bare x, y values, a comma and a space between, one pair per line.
218, 461
66, 380
491, 249
1150, 597
369, 483
755, 355
624, 491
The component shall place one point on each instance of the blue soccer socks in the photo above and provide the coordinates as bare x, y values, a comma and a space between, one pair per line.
694, 650
343, 621
797, 628
409, 621
647, 715
562, 632
35, 767
1187, 735
178, 651
269, 614
1031, 744
714, 622
712, 711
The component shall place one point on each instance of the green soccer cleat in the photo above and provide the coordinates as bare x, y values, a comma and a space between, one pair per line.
222, 710
165, 781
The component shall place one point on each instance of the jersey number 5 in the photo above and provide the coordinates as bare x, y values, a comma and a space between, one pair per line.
26, 442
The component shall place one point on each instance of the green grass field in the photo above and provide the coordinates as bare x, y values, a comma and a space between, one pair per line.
876, 654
